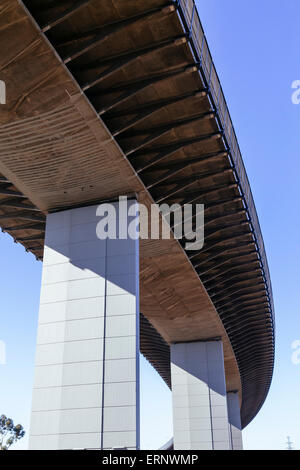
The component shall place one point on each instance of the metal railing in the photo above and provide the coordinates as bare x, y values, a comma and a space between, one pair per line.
190, 18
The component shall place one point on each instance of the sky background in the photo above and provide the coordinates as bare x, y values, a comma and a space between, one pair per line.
255, 47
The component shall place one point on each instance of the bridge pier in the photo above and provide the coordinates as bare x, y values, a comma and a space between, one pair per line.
234, 417
200, 416
86, 386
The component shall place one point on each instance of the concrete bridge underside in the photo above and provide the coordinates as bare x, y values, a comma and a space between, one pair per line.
106, 98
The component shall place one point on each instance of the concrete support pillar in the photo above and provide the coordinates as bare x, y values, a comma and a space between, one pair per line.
200, 416
234, 418
86, 386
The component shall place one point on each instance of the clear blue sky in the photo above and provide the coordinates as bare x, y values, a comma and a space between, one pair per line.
255, 46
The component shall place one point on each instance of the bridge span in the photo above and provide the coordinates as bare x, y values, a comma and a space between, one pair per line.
109, 98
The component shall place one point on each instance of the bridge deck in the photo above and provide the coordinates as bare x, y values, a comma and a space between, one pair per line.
111, 97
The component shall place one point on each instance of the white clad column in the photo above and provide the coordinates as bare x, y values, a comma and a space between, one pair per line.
200, 417
234, 418
86, 386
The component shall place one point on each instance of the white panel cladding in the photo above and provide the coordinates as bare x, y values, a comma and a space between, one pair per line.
68, 397
234, 417
86, 391
75, 373
199, 396
116, 439
74, 351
